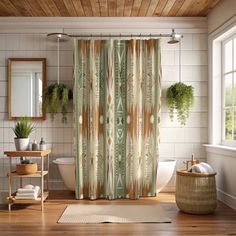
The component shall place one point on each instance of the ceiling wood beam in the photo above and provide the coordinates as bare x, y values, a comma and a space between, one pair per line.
106, 8
78, 7
144, 7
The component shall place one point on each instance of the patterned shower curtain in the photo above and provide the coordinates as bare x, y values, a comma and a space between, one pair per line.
117, 113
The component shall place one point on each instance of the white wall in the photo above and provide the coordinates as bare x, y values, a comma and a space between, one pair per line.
21, 38
221, 20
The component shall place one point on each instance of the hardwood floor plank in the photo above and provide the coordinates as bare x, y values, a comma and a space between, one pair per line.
222, 222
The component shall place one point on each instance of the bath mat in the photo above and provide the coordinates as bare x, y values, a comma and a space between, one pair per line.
92, 214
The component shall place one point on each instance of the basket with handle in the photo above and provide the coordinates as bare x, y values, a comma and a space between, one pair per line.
195, 192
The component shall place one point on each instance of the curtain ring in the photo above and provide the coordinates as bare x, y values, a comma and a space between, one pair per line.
140, 36
131, 36
150, 35
120, 36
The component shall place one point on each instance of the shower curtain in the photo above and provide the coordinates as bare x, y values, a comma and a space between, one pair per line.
116, 117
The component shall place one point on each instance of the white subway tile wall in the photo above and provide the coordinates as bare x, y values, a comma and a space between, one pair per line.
176, 142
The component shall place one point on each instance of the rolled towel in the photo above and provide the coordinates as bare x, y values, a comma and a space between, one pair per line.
207, 167
201, 168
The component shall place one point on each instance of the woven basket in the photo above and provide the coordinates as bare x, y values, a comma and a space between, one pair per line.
195, 192
26, 169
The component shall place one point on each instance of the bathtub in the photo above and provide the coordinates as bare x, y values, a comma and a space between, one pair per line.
67, 170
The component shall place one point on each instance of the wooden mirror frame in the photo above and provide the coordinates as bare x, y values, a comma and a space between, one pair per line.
10, 60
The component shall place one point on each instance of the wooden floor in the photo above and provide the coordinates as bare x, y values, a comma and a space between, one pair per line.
30, 221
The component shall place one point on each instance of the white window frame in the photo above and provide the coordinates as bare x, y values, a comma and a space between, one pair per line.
223, 74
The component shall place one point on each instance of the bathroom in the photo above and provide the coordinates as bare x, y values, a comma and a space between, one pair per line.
176, 143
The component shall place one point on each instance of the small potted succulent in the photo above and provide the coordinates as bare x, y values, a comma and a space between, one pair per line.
22, 130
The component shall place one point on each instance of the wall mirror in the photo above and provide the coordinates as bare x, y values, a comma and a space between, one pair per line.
26, 83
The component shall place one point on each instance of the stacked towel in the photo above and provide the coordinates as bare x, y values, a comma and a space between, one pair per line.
201, 168
28, 192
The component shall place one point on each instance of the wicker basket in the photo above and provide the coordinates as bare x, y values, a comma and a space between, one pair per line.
26, 169
195, 192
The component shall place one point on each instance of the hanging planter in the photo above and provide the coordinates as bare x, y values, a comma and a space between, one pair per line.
56, 98
57, 95
180, 99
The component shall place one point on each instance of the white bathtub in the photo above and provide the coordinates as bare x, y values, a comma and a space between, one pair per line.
67, 170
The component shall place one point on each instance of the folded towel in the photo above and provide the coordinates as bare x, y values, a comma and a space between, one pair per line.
28, 190
26, 197
27, 193
201, 168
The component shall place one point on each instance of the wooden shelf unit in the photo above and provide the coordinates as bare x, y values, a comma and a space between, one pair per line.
39, 174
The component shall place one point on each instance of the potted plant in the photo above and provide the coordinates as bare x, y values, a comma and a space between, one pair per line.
22, 130
57, 97
180, 98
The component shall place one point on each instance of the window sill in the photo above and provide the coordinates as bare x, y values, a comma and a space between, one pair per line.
221, 149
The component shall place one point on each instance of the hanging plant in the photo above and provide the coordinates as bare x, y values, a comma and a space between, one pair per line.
180, 98
56, 97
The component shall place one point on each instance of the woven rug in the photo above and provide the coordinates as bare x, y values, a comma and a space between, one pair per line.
92, 214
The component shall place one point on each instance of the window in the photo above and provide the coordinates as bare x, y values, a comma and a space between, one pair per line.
229, 89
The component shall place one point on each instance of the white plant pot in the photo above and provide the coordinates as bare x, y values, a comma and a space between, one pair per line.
22, 144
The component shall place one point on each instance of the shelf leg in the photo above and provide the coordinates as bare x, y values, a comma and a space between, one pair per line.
48, 172
42, 182
9, 182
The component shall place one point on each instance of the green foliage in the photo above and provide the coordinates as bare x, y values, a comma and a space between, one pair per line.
23, 127
26, 161
56, 96
180, 98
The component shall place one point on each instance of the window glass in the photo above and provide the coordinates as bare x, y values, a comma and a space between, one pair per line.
228, 90
228, 124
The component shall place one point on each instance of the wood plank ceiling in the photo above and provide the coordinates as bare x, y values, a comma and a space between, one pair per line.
106, 7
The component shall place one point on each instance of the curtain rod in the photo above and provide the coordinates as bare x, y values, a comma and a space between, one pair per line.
120, 35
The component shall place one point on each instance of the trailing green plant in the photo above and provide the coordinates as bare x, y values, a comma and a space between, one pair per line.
26, 161
23, 127
56, 97
180, 98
